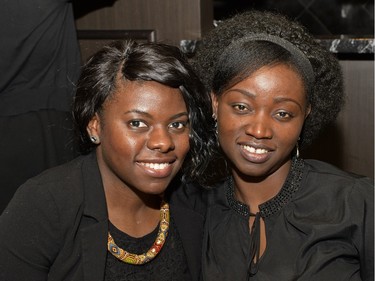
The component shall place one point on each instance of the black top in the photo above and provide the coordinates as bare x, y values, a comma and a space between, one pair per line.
169, 264
319, 227
56, 226
40, 59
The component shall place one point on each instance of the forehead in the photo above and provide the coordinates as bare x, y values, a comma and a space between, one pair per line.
281, 73
146, 95
286, 68
277, 81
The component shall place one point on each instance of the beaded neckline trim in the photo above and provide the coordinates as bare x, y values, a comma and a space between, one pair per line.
155, 248
275, 204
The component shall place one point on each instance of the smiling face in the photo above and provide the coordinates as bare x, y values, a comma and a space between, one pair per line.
260, 120
143, 132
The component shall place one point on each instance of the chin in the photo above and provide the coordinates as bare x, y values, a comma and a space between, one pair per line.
155, 189
156, 192
255, 172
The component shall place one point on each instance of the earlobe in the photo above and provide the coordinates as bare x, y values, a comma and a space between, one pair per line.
93, 128
214, 102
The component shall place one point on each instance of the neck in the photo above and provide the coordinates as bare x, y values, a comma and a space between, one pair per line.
132, 213
255, 191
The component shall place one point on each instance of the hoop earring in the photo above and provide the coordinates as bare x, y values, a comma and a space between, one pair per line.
297, 148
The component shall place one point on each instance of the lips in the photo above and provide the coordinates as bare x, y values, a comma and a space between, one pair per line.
156, 169
156, 166
255, 153
252, 149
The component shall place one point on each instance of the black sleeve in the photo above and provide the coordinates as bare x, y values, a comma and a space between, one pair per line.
29, 234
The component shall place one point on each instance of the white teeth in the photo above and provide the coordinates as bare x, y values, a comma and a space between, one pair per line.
255, 150
156, 166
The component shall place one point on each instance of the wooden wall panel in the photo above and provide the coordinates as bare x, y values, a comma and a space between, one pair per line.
349, 144
173, 20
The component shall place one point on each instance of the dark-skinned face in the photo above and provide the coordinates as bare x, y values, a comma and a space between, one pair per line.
260, 120
144, 136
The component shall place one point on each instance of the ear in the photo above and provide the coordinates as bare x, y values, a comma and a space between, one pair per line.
308, 111
93, 127
215, 103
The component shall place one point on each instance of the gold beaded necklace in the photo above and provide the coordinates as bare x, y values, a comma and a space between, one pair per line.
155, 248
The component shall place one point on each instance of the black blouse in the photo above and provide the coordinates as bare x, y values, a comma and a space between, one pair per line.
319, 227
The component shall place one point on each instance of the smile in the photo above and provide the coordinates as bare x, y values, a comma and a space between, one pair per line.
155, 166
255, 150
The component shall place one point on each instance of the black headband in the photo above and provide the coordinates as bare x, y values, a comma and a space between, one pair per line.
299, 57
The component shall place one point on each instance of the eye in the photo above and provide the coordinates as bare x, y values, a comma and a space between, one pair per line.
240, 107
137, 124
178, 125
283, 115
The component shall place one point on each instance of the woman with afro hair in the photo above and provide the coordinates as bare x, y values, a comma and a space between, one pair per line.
276, 216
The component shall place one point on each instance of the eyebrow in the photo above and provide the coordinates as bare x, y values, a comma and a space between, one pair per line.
282, 99
276, 100
137, 111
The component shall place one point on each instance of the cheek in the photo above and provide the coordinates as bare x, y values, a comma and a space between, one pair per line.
228, 127
288, 136
126, 144
184, 144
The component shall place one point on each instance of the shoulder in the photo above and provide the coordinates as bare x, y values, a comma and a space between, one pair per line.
330, 200
333, 189
54, 189
58, 180
325, 174
42, 215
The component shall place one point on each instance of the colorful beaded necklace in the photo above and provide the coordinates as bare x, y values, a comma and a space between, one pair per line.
155, 248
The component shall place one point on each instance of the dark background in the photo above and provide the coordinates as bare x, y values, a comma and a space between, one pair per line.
321, 17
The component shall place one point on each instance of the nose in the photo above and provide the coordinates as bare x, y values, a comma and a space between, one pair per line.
259, 127
160, 139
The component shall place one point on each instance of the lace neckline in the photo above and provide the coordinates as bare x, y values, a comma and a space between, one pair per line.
274, 205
